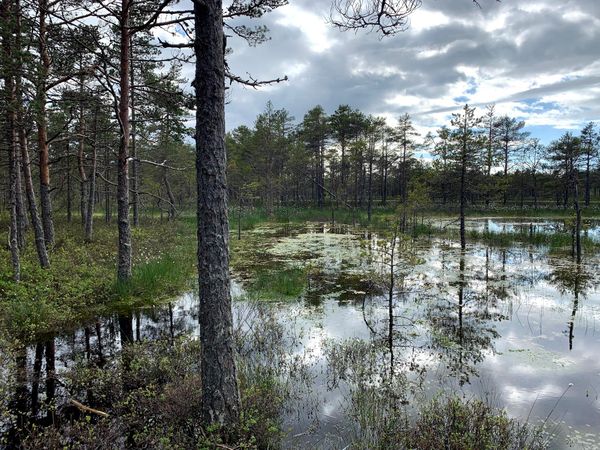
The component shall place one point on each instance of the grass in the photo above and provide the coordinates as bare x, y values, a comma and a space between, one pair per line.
81, 282
282, 284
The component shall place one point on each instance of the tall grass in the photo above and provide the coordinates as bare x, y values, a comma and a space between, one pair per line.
282, 284
155, 279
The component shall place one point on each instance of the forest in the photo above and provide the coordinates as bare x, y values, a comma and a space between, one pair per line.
338, 280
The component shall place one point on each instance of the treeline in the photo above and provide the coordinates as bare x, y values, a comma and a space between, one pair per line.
358, 160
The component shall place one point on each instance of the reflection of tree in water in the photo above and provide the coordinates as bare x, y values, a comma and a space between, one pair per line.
393, 331
571, 279
461, 325
39, 390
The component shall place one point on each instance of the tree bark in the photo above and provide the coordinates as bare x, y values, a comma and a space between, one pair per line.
91, 200
38, 229
134, 163
13, 168
10, 103
81, 158
220, 394
21, 214
124, 250
42, 126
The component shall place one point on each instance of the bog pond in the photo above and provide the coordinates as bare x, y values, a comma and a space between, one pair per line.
517, 326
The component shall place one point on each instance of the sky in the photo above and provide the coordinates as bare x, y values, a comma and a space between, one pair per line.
537, 60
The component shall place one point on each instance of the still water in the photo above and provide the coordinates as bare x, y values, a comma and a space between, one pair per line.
517, 326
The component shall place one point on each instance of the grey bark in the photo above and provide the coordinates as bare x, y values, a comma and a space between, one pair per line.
220, 394
124, 249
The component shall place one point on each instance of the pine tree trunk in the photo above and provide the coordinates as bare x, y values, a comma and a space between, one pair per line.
38, 229
220, 394
69, 187
134, 163
107, 206
124, 249
13, 168
587, 180
42, 126
10, 107
81, 160
91, 200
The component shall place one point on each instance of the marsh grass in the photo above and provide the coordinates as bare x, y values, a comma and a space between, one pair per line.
155, 280
449, 422
283, 284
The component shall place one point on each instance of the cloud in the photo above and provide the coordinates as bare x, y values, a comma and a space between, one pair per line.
539, 60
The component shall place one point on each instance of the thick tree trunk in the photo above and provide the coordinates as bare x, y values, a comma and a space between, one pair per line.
42, 126
124, 250
10, 108
220, 394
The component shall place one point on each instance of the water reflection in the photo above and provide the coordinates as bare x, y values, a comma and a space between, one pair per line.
461, 326
421, 308
572, 279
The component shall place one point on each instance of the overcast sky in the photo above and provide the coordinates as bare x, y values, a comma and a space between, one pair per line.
538, 60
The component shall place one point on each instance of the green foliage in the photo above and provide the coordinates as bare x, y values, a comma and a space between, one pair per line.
80, 283
473, 424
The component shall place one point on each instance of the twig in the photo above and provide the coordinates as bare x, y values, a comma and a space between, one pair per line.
84, 408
